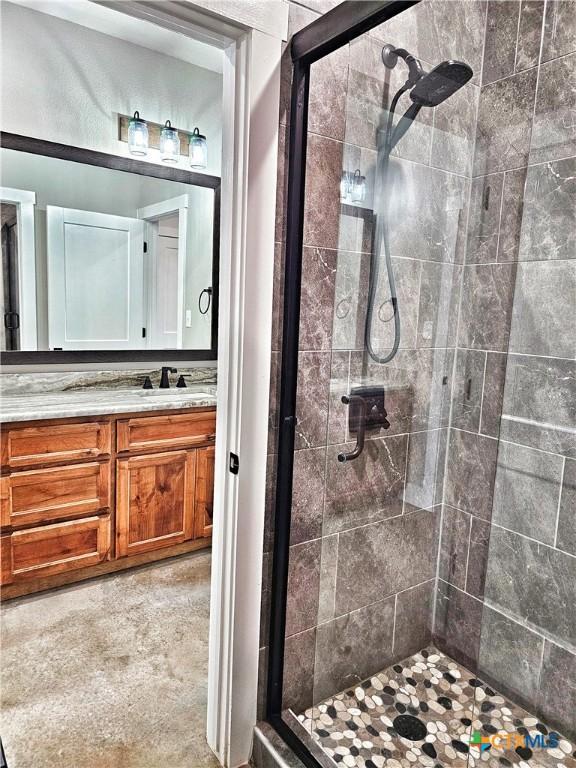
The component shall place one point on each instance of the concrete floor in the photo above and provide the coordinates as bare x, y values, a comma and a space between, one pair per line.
111, 673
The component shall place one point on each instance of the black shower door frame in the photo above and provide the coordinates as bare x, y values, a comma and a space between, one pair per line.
336, 28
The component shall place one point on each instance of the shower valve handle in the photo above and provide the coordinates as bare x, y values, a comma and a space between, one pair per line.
359, 447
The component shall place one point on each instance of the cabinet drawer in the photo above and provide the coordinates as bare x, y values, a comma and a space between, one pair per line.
51, 549
164, 432
45, 495
54, 443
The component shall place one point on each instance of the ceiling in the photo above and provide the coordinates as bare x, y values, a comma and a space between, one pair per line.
146, 34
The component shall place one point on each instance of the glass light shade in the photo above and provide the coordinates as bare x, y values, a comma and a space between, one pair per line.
344, 186
358, 187
198, 150
137, 136
169, 144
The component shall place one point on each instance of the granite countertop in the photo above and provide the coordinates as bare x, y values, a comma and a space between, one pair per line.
99, 402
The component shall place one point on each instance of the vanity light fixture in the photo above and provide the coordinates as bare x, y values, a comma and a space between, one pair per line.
198, 150
137, 136
358, 187
352, 187
169, 144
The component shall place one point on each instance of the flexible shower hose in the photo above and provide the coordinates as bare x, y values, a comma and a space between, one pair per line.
382, 239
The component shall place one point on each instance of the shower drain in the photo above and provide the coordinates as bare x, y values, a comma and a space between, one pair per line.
410, 727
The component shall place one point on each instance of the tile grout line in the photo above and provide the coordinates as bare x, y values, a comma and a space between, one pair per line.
423, 349
394, 622
525, 166
367, 605
470, 521
511, 617
559, 502
405, 473
510, 530
509, 442
483, 392
517, 38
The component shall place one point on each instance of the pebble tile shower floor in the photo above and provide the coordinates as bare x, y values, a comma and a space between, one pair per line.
423, 712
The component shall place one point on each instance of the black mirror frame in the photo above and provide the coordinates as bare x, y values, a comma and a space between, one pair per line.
129, 165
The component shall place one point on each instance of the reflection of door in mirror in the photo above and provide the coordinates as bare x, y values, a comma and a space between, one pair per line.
95, 280
164, 275
167, 253
9, 331
18, 273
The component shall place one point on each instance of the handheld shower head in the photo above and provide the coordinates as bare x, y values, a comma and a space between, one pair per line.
427, 89
440, 83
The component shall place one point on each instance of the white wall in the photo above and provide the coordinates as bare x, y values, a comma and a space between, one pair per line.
66, 83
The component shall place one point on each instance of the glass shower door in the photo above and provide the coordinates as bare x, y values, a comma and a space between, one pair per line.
362, 675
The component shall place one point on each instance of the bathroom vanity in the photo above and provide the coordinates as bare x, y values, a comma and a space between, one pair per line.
87, 495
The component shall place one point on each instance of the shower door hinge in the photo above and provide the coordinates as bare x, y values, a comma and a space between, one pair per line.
234, 465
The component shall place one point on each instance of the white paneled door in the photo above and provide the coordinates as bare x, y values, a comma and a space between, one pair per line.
165, 317
95, 280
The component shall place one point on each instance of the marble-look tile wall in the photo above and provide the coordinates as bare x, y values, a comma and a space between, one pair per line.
364, 536
506, 602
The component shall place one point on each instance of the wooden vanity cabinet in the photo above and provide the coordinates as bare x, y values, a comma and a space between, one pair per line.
83, 498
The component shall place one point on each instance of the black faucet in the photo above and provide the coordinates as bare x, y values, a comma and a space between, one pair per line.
164, 380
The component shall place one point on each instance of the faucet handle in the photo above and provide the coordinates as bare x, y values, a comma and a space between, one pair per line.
147, 383
181, 382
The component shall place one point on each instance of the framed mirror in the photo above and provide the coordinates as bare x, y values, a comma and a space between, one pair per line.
105, 258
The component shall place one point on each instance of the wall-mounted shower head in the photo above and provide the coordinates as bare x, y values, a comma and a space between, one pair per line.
440, 83
427, 89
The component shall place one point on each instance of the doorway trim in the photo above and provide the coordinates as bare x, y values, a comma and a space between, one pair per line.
25, 203
251, 36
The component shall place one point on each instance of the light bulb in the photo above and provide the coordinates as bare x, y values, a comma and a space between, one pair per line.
169, 144
137, 136
198, 150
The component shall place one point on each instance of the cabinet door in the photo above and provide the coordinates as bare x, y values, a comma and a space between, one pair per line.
154, 501
204, 492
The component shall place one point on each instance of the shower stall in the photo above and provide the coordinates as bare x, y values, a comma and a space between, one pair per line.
421, 533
